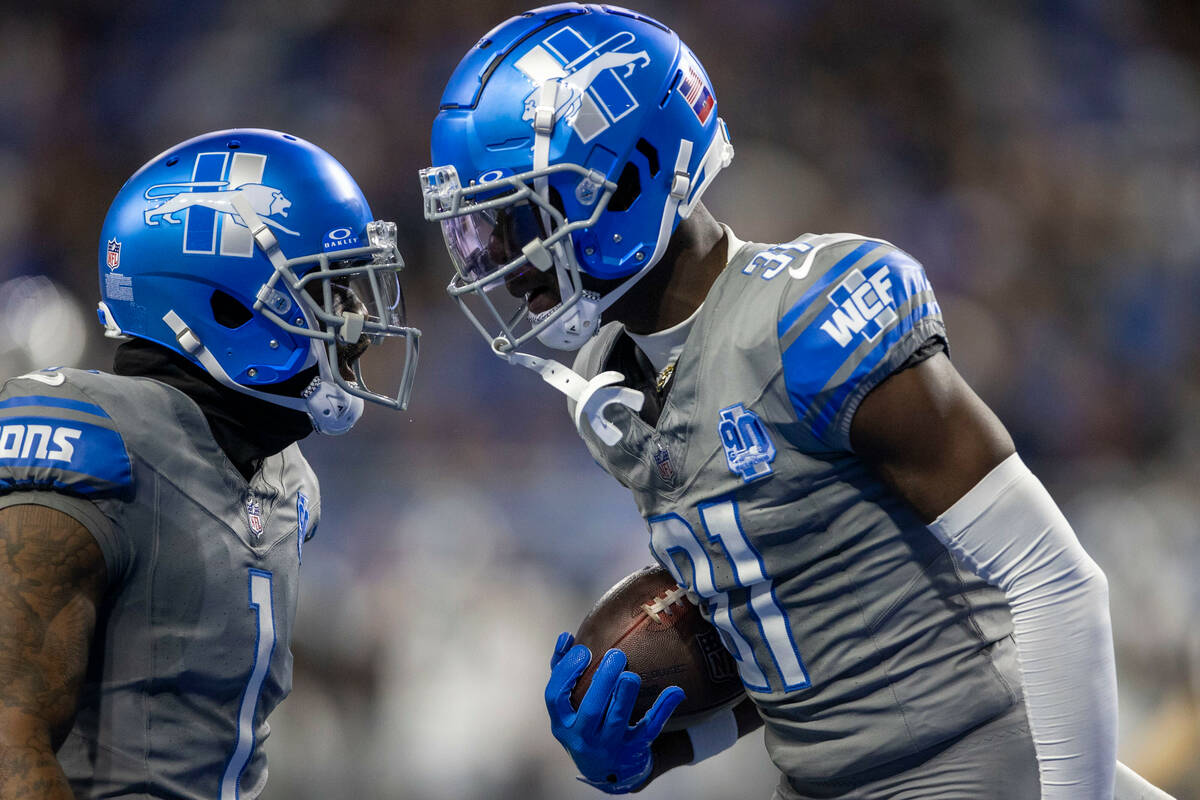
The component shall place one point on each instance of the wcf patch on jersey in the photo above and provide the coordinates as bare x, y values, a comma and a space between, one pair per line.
862, 305
749, 450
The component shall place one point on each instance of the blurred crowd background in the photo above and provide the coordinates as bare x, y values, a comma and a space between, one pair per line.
1041, 158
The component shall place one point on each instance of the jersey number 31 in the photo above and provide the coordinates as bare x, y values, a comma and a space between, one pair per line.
765, 620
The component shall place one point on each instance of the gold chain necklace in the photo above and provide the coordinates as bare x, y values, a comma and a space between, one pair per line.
660, 382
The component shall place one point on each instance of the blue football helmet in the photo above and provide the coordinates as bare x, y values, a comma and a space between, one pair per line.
573, 138
254, 254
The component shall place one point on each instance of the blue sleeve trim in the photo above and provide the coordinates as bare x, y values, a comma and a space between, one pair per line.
829, 411
853, 329
54, 402
822, 283
66, 455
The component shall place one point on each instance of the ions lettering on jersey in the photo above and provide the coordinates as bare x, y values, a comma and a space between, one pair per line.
749, 450
61, 443
862, 304
37, 441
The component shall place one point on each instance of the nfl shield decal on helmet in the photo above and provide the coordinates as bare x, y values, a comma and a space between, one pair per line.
113, 259
749, 451
254, 513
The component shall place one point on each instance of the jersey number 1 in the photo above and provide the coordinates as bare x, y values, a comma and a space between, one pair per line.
264, 648
671, 533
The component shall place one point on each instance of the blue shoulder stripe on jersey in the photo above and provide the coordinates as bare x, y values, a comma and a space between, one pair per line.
62, 454
851, 315
828, 412
54, 402
798, 308
854, 327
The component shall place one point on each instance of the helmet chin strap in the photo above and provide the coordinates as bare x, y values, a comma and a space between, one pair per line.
575, 327
571, 331
592, 398
332, 410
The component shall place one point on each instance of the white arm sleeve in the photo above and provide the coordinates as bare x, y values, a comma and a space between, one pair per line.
1008, 530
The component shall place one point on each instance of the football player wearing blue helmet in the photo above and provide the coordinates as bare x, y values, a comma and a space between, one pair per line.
220, 251
152, 521
911, 614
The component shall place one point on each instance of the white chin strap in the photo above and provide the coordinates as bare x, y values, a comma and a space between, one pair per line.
591, 398
333, 410
581, 322
578, 324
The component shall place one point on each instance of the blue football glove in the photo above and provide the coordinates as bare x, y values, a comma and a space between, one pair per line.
611, 754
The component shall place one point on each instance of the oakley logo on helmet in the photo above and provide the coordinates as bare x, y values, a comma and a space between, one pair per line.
339, 238
590, 93
213, 223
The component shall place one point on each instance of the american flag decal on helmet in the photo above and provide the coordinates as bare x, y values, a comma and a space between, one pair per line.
696, 91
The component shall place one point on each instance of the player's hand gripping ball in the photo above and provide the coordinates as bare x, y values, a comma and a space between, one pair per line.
666, 641
611, 754
669, 645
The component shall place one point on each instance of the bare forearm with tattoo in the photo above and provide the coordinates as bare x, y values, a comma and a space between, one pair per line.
52, 576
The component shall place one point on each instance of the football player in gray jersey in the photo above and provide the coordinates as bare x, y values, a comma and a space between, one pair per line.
911, 614
152, 520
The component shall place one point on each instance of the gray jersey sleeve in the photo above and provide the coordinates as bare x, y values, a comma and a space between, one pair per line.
60, 449
866, 308
115, 550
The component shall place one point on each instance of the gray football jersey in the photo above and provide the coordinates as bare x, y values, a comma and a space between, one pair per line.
856, 633
191, 649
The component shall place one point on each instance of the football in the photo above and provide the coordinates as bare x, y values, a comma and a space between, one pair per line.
666, 641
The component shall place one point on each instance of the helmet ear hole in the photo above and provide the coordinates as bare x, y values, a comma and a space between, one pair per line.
629, 188
227, 311
651, 154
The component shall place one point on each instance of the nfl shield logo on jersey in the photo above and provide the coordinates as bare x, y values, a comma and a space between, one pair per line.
662, 460
749, 451
254, 513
